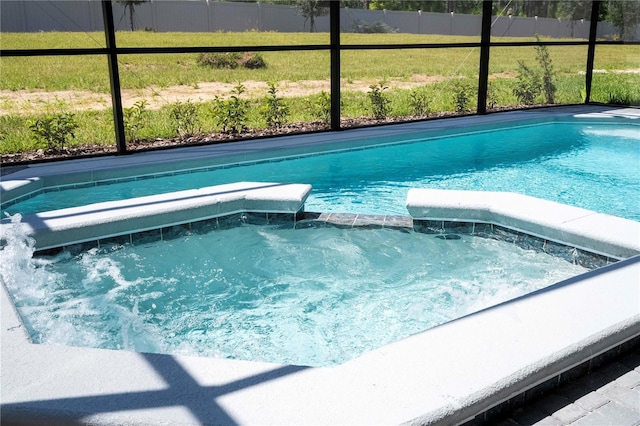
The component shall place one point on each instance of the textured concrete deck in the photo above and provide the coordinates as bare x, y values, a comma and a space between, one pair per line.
609, 395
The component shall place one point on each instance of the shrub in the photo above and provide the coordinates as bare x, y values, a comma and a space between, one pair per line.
544, 60
419, 103
231, 114
492, 96
252, 61
379, 102
462, 97
54, 129
274, 110
372, 27
528, 84
319, 106
219, 60
232, 60
185, 118
134, 120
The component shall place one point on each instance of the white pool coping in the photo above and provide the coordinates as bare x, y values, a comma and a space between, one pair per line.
445, 375
595, 232
114, 218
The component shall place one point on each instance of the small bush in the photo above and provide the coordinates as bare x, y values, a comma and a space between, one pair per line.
372, 27
231, 114
419, 103
252, 61
219, 60
462, 98
319, 107
274, 110
54, 129
232, 60
492, 94
528, 84
379, 102
135, 118
185, 118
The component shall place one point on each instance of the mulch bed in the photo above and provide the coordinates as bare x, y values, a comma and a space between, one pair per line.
41, 155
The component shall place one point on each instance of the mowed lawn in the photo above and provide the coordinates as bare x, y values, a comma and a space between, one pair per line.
52, 73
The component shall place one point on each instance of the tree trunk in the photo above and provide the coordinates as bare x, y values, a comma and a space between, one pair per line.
131, 15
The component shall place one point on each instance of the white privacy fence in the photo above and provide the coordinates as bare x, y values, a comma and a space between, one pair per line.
211, 16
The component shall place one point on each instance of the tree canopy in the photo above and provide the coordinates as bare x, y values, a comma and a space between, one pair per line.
311, 9
131, 5
625, 15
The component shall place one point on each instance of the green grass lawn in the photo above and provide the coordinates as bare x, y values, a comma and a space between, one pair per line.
446, 73
90, 72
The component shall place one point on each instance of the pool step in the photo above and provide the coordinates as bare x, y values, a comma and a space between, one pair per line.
584, 229
109, 219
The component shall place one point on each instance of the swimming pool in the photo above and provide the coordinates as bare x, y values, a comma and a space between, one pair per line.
411, 380
585, 163
582, 156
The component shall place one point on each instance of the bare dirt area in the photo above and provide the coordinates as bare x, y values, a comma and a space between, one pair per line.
37, 101
25, 102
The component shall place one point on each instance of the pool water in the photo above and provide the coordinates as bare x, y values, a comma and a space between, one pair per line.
588, 165
306, 296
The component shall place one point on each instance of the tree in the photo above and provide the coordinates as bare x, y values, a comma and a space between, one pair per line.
438, 6
407, 5
355, 4
544, 60
625, 15
131, 5
573, 11
311, 9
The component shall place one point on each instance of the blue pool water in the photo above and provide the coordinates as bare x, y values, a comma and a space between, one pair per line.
588, 165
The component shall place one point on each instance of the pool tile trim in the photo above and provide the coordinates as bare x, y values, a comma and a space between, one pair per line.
302, 219
574, 255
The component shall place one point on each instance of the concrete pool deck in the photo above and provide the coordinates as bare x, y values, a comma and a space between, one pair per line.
450, 374
605, 395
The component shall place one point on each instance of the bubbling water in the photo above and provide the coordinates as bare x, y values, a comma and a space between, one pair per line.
18, 266
50, 309
310, 296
